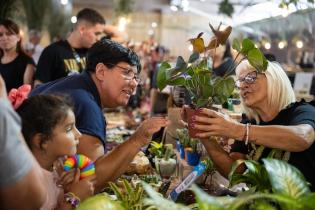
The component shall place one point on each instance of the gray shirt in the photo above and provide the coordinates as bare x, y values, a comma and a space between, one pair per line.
15, 158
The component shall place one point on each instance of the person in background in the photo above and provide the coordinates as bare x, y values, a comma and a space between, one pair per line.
21, 180
33, 47
16, 67
274, 121
68, 56
110, 79
224, 64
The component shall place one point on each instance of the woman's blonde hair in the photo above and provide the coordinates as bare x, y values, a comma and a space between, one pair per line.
279, 90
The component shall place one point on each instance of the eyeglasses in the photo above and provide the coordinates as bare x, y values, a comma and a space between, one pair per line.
128, 73
250, 78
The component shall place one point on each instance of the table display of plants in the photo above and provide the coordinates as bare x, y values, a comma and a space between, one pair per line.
152, 180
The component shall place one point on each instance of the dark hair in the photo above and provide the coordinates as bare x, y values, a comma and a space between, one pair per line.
13, 28
91, 16
107, 51
41, 114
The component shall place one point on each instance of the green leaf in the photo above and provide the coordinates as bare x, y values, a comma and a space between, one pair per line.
307, 201
177, 81
236, 45
116, 190
257, 60
285, 178
228, 86
156, 199
180, 63
247, 45
205, 201
193, 57
161, 77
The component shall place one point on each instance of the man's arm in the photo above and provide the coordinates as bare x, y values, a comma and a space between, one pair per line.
91, 147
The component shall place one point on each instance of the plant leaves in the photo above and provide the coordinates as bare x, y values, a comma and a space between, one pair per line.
161, 76
307, 201
205, 201
247, 45
180, 63
177, 81
257, 60
198, 44
236, 45
285, 178
193, 57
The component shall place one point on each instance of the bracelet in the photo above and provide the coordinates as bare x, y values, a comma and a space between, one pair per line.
72, 199
247, 133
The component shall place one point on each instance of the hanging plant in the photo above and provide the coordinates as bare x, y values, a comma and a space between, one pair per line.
123, 7
226, 8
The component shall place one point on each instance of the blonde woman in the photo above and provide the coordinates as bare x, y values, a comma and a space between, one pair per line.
274, 120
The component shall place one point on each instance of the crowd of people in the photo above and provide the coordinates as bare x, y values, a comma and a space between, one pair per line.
75, 79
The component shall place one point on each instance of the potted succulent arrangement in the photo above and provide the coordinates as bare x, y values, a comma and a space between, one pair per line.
192, 153
183, 141
196, 75
165, 161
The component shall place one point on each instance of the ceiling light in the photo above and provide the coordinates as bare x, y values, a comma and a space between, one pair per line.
64, 2
74, 19
281, 44
299, 44
267, 45
154, 24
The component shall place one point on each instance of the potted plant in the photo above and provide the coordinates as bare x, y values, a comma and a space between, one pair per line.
196, 75
183, 138
165, 161
193, 155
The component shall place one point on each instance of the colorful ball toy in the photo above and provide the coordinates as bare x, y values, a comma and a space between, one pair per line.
81, 162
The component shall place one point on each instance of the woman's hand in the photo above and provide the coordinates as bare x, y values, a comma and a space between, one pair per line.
147, 128
214, 123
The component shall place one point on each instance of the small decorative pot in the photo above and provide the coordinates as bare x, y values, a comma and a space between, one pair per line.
193, 158
178, 145
182, 151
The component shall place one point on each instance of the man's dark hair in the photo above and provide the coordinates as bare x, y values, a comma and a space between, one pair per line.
91, 16
110, 53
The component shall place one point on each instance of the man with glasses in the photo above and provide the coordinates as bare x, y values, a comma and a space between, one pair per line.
67, 57
110, 79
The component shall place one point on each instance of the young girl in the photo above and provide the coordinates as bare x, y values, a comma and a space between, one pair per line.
48, 126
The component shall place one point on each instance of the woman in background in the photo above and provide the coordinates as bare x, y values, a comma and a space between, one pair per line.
16, 67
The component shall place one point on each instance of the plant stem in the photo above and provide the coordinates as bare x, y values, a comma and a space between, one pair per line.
232, 66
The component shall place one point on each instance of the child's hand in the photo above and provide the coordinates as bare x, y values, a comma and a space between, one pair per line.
82, 188
66, 178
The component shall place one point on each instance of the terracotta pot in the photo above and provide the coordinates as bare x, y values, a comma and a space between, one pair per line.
190, 113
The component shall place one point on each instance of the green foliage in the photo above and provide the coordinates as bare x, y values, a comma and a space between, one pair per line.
123, 7
7, 8
254, 56
130, 197
226, 8
183, 136
161, 150
157, 201
255, 176
35, 12
100, 202
196, 74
